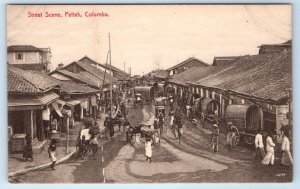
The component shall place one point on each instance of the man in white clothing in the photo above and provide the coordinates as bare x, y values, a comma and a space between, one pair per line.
259, 147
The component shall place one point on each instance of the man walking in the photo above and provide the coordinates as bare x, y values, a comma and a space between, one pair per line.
215, 138
259, 147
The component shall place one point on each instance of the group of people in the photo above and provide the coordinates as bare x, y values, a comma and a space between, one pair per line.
266, 154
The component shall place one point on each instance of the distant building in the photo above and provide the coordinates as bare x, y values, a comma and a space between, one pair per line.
223, 60
185, 65
275, 48
116, 72
29, 57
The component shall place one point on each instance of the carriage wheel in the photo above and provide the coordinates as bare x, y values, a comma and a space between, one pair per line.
249, 140
236, 136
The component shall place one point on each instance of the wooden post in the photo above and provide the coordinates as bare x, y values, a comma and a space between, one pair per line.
67, 138
31, 124
201, 92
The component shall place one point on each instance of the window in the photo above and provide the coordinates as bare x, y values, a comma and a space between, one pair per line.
19, 56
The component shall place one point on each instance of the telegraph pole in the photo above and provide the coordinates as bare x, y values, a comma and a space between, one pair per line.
111, 75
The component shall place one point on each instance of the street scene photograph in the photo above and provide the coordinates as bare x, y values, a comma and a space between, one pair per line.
173, 93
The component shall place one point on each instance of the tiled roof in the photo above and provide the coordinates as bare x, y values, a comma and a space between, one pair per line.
21, 81
79, 77
28, 81
194, 74
23, 48
17, 84
75, 88
88, 60
162, 74
95, 71
221, 60
187, 61
120, 73
265, 76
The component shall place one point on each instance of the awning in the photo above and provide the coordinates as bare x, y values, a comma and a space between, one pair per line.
48, 98
23, 103
73, 102
57, 110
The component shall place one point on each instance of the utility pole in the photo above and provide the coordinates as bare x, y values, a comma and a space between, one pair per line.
124, 67
111, 75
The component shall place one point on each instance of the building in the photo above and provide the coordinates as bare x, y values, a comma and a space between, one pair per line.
36, 100
115, 72
262, 81
161, 75
30, 94
221, 60
84, 73
185, 65
275, 48
29, 57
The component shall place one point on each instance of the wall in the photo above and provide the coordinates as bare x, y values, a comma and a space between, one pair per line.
191, 63
28, 58
74, 68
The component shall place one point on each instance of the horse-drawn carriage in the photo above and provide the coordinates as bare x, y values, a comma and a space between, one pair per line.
208, 110
141, 133
146, 92
138, 101
246, 120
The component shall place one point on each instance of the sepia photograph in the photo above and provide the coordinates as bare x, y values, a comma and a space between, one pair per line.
149, 93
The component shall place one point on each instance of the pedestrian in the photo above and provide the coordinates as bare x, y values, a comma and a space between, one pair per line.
215, 138
156, 128
111, 128
171, 103
259, 147
287, 158
148, 149
52, 153
229, 135
27, 151
270, 155
126, 125
82, 146
123, 109
94, 143
171, 115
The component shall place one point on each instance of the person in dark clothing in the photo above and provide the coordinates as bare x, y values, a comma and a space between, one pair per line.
110, 127
123, 109
27, 152
52, 153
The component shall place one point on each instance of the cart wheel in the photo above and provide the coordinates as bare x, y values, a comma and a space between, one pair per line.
249, 140
236, 136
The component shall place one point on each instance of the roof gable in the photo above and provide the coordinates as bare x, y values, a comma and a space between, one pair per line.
28, 81
187, 61
23, 48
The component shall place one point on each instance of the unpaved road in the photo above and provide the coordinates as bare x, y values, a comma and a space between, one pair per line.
191, 162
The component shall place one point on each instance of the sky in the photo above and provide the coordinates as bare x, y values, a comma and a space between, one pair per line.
147, 37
